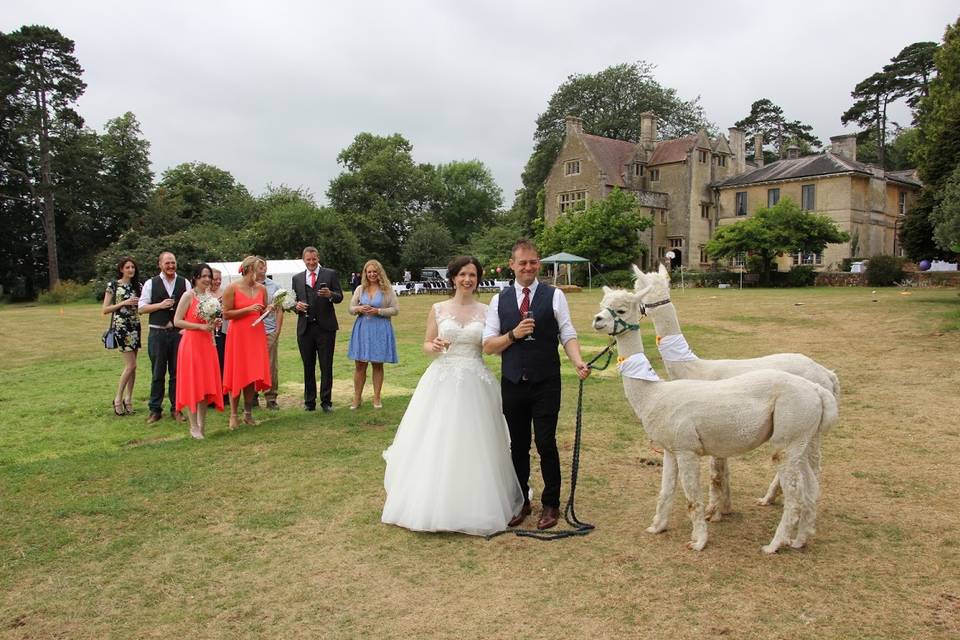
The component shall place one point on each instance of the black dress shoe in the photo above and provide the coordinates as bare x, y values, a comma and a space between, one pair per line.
153, 417
272, 405
327, 408
548, 518
518, 519
308, 407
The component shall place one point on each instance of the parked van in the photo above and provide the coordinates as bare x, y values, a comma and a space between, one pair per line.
428, 274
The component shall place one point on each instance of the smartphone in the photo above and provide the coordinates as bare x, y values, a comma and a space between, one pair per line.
322, 285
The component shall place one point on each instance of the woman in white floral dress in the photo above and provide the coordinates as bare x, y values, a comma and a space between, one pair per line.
449, 466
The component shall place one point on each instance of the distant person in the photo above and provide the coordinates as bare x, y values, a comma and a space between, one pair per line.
246, 367
372, 340
317, 290
159, 299
198, 371
406, 275
354, 280
272, 324
120, 300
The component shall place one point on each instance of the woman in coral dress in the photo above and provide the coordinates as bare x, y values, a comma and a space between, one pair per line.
246, 364
198, 371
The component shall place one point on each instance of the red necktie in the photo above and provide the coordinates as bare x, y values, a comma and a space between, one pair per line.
313, 279
525, 303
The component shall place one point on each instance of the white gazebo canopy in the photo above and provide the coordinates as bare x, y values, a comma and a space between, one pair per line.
567, 258
280, 271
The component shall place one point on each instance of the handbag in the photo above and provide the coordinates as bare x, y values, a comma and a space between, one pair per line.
110, 336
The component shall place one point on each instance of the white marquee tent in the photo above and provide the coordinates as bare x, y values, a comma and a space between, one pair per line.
280, 271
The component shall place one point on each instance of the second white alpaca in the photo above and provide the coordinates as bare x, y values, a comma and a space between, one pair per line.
653, 291
722, 418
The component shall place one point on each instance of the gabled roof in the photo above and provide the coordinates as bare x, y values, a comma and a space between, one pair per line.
808, 166
611, 155
907, 176
668, 151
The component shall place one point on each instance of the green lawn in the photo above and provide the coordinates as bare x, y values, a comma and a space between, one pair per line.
110, 528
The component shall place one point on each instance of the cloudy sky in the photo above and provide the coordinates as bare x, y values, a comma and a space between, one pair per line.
273, 91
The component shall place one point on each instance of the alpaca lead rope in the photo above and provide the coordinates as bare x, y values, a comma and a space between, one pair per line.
569, 514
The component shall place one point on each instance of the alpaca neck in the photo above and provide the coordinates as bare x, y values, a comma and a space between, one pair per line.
665, 320
629, 343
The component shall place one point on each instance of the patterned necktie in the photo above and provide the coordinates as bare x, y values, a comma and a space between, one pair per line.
525, 303
313, 279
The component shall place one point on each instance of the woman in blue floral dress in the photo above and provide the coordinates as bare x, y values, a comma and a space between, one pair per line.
372, 340
120, 300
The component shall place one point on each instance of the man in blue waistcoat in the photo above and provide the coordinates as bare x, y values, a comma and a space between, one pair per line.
526, 323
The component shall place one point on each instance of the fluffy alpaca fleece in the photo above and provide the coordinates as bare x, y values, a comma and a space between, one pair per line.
654, 289
723, 418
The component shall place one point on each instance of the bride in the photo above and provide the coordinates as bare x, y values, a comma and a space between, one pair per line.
449, 466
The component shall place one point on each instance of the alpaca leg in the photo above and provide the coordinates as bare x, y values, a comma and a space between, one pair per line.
668, 485
772, 492
689, 469
791, 481
810, 494
719, 502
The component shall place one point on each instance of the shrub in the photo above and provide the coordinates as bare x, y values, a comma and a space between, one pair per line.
616, 278
68, 291
800, 277
884, 271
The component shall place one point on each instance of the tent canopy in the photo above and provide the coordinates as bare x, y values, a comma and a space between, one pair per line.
567, 258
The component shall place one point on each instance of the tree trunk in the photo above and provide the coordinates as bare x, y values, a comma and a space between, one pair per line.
46, 189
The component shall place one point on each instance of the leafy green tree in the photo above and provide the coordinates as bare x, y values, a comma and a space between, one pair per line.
782, 228
428, 244
606, 232
938, 154
467, 198
913, 68
126, 167
492, 245
610, 103
43, 87
201, 187
767, 120
946, 215
872, 96
283, 231
901, 152
382, 193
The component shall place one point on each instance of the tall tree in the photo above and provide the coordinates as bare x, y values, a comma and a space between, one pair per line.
201, 187
767, 120
126, 166
610, 103
467, 198
872, 96
382, 193
913, 69
46, 86
938, 156
782, 228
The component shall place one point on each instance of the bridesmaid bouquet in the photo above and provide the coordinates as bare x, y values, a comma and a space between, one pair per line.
282, 301
209, 309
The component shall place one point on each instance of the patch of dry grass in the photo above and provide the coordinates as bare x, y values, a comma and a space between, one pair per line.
109, 528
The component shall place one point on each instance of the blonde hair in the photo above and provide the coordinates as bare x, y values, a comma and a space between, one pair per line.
250, 263
384, 280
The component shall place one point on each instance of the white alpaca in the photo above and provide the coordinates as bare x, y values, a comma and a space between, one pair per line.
653, 291
722, 418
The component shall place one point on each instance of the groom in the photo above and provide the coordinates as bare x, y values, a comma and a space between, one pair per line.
530, 380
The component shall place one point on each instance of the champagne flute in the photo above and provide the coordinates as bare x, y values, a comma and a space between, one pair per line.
529, 316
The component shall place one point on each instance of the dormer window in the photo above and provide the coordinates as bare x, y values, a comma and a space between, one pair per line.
637, 169
703, 155
571, 168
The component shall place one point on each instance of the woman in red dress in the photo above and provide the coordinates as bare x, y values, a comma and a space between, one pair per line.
198, 371
246, 365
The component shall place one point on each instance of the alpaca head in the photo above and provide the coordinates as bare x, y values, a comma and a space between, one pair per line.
619, 312
651, 288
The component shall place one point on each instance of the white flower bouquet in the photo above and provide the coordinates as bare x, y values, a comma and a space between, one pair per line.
282, 301
209, 309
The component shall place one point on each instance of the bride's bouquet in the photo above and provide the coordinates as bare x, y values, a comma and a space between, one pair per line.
209, 309
282, 301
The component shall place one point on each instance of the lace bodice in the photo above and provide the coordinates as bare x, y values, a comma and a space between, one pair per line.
462, 325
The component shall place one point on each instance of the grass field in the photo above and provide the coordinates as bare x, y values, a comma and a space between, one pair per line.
113, 529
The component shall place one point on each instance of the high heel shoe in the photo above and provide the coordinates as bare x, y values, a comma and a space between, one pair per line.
378, 405
118, 407
128, 407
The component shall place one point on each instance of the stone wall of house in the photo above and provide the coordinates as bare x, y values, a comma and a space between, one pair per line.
918, 278
557, 182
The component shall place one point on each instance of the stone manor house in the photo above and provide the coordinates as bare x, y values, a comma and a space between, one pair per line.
694, 184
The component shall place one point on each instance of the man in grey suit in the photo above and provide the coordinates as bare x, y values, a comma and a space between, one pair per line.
317, 289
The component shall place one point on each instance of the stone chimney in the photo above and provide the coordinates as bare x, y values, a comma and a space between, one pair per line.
739, 148
573, 125
793, 152
845, 146
648, 129
758, 150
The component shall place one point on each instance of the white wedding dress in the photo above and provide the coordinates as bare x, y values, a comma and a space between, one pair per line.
449, 466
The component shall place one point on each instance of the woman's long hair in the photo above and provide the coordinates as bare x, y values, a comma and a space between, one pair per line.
137, 285
385, 284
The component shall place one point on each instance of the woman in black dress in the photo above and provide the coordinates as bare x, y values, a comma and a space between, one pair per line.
120, 300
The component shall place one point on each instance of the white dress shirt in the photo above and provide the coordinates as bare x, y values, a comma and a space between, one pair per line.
561, 311
147, 293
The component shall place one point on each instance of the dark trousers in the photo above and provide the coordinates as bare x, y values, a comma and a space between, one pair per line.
220, 339
537, 402
317, 344
162, 345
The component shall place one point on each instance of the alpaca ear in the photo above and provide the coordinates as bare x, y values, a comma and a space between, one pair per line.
640, 292
663, 271
606, 290
636, 270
